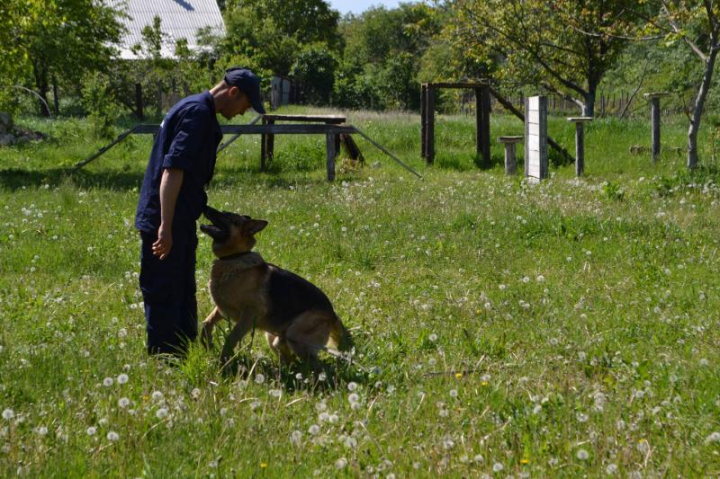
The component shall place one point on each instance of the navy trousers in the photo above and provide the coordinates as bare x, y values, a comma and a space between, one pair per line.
168, 289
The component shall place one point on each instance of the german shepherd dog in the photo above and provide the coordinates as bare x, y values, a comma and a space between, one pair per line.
297, 318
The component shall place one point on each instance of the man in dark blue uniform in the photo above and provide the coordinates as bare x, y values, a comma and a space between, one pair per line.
171, 200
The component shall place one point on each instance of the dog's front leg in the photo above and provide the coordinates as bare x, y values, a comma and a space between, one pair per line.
207, 327
242, 327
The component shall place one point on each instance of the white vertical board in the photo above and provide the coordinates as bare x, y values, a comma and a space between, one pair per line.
536, 151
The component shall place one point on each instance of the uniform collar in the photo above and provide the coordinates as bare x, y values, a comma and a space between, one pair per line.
208, 98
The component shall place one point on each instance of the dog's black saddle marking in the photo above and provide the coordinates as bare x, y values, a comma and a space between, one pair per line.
291, 295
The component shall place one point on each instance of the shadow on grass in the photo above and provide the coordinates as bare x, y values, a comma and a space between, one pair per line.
16, 178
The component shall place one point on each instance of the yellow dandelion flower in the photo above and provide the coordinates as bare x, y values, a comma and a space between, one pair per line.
484, 383
263, 465
458, 375
525, 461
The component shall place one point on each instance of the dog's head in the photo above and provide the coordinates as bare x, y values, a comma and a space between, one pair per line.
231, 233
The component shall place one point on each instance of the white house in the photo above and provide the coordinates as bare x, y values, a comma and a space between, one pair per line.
179, 19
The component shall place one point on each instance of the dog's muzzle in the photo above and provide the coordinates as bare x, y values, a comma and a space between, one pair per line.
219, 230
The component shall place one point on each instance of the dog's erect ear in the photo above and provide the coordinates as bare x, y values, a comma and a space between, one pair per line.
255, 226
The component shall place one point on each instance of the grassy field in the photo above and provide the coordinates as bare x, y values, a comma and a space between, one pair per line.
564, 329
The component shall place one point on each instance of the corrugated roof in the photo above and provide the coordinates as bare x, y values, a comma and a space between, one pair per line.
179, 19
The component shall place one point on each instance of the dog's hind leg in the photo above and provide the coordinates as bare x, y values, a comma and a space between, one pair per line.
242, 327
308, 334
207, 327
279, 347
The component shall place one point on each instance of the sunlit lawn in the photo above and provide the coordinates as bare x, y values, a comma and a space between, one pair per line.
562, 329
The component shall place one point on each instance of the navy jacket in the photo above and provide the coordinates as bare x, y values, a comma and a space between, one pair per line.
188, 139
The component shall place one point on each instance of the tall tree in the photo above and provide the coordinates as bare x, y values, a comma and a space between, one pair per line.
383, 53
697, 24
60, 39
565, 46
269, 34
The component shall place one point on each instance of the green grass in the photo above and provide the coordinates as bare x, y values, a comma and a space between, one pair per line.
563, 329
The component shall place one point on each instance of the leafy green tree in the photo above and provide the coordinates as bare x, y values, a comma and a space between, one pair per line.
315, 70
270, 34
564, 46
382, 55
61, 39
697, 25
14, 64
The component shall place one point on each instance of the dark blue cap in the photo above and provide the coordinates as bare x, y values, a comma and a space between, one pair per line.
249, 83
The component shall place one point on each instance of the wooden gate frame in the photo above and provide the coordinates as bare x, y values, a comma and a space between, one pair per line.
482, 118
483, 90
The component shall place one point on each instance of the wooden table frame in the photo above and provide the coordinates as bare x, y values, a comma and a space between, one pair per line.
267, 141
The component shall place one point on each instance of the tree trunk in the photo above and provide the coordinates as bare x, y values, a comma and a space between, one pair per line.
692, 158
589, 97
589, 106
43, 85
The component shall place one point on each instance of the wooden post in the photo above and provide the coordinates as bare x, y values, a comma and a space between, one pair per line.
139, 102
159, 99
526, 160
655, 118
267, 145
56, 100
580, 142
482, 124
330, 145
510, 158
430, 125
423, 121
536, 139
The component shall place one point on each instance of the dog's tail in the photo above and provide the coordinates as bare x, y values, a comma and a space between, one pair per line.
340, 336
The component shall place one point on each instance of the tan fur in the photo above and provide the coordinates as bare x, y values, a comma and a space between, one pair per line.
239, 289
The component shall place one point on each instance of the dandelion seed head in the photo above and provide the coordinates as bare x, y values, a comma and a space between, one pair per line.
260, 378
113, 436
91, 431
352, 386
122, 379
157, 395
107, 382
341, 463
161, 413
8, 414
314, 430
582, 454
123, 402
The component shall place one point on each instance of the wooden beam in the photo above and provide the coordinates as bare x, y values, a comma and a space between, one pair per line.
331, 153
482, 124
267, 129
430, 146
329, 119
423, 121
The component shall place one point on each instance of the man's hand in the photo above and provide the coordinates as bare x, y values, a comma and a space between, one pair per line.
162, 246
170, 184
